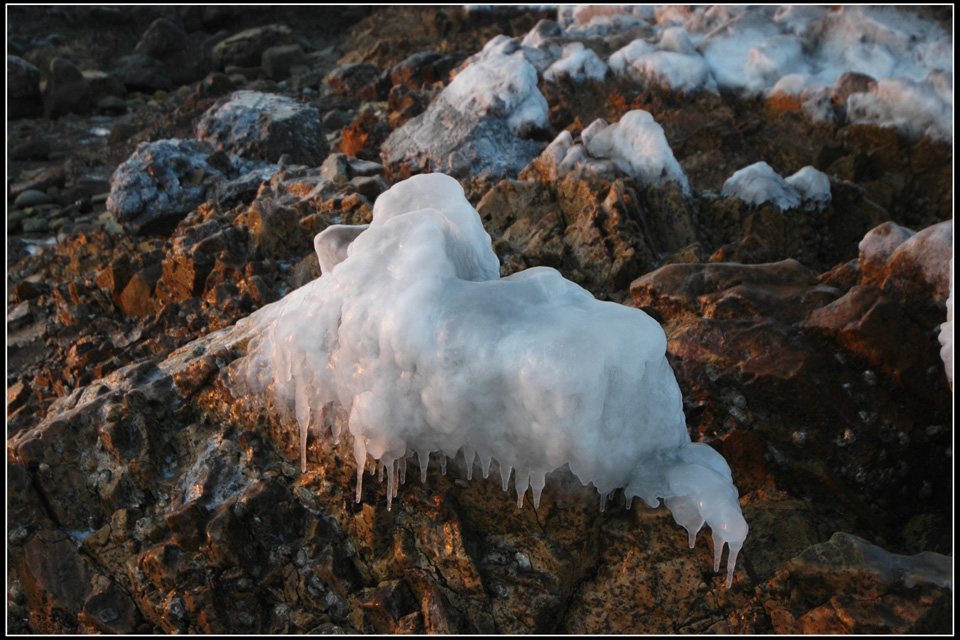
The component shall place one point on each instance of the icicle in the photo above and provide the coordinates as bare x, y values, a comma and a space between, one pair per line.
717, 551
603, 502
302, 408
732, 561
485, 466
537, 481
360, 453
443, 463
391, 481
468, 456
505, 475
424, 458
521, 481
402, 470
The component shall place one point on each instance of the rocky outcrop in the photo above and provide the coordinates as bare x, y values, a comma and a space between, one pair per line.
145, 496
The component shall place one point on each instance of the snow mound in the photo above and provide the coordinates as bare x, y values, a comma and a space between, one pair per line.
759, 183
579, 63
414, 339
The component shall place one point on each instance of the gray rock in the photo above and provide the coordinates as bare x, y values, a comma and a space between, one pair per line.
103, 84
264, 127
142, 73
246, 48
31, 198
35, 225
277, 62
67, 90
160, 179
183, 60
24, 99
445, 139
335, 168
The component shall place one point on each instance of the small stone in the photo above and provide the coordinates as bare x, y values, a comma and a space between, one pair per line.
31, 198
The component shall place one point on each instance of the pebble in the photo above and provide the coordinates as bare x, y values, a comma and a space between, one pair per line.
31, 198
35, 225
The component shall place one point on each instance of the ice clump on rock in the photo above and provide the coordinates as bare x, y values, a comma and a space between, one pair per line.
755, 49
480, 123
759, 183
415, 337
579, 63
635, 145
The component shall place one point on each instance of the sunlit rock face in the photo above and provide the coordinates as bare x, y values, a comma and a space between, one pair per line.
412, 333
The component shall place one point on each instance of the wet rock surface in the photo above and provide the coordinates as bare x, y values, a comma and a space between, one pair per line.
144, 496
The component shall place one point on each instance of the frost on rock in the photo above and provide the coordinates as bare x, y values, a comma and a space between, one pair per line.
481, 120
160, 179
264, 126
170, 178
415, 337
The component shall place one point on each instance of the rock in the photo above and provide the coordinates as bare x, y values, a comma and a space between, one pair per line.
360, 80
52, 177
54, 577
364, 136
478, 125
140, 72
919, 267
67, 90
37, 149
278, 62
264, 126
24, 99
876, 248
275, 231
31, 198
863, 321
35, 225
422, 68
159, 180
246, 48
878, 604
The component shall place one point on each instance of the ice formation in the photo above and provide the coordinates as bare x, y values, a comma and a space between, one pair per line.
506, 84
796, 50
635, 145
579, 63
412, 334
759, 183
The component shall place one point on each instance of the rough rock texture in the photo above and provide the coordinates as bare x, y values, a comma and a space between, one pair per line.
160, 180
143, 496
446, 139
263, 126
